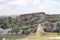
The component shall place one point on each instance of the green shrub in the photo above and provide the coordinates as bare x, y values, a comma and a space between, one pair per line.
58, 33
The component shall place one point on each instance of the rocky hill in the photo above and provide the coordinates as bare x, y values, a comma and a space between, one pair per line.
27, 23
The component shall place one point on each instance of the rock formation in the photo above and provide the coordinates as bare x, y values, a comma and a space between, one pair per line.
28, 22
40, 30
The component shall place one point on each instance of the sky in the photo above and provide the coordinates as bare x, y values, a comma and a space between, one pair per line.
18, 7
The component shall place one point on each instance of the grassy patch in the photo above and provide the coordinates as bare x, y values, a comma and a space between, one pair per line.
31, 36
47, 35
58, 33
14, 37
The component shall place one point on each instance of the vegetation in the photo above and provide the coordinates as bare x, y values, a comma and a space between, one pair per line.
31, 36
28, 22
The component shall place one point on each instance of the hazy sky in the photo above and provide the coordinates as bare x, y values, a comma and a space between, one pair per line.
16, 7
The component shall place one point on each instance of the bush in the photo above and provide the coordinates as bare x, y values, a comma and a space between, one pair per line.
58, 33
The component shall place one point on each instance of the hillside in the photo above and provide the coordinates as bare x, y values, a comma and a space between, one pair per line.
27, 23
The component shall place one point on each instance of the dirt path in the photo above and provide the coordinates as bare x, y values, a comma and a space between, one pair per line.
54, 38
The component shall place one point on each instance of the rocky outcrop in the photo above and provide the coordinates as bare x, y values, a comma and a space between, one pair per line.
27, 23
40, 30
